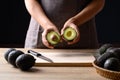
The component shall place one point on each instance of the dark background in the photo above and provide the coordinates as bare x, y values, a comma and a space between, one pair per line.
15, 21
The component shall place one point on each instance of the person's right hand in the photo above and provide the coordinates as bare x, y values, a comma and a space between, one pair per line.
44, 34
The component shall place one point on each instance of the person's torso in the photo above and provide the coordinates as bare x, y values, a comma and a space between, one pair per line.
60, 11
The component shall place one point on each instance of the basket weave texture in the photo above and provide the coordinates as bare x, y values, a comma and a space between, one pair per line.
114, 75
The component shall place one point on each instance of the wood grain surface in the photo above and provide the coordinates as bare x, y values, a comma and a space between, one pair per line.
8, 72
66, 58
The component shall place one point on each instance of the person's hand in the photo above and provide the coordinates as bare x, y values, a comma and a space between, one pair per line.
69, 23
44, 34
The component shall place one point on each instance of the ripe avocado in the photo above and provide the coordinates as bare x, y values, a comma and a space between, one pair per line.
25, 62
13, 56
53, 37
69, 34
112, 64
101, 59
7, 53
116, 51
110, 49
103, 48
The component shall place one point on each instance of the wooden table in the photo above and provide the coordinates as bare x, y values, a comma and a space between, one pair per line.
7, 72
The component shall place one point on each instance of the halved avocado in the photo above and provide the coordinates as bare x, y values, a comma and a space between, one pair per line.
69, 34
53, 37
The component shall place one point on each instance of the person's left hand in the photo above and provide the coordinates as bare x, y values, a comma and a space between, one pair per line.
69, 23
44, 34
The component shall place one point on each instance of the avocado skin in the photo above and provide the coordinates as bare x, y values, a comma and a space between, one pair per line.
108, 57
103, 48
96, 55
112, 64
7, 53
101, 59
25, 62
116, 51
13, 56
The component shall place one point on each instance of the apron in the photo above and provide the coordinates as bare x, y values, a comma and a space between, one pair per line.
59, 11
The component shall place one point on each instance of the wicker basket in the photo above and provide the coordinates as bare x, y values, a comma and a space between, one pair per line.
114, 75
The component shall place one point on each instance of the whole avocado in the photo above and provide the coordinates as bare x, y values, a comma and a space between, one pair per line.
13, 56
101, 59
112, 64
103, 48
116, 51
7, 53
25, 62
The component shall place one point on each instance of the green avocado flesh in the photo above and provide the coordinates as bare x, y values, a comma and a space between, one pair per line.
53, 38
69, 34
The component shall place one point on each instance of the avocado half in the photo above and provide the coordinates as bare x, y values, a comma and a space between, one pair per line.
53, 37
69, 34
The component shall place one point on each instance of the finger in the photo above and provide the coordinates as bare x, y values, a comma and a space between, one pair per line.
62, 31
45, 42
73, 42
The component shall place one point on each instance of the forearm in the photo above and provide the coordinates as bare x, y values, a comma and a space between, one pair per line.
89, 12
36, 11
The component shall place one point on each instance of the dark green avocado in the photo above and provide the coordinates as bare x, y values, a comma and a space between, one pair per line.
116, 51
101, 59
13, 56
112, 64
103, 48
25, 62
7, 53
